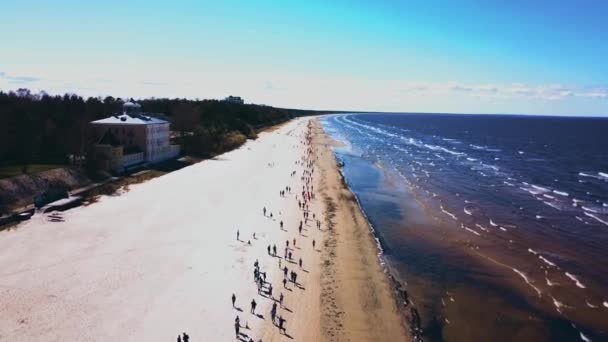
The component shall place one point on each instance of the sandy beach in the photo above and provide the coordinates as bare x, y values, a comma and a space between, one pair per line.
162, 258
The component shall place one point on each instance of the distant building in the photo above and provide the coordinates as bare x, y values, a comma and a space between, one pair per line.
234, 99
131, 138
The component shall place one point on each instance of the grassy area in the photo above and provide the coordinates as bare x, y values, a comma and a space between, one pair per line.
16, 170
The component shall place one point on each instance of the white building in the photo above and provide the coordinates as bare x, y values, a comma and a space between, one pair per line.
234, 99
132, 138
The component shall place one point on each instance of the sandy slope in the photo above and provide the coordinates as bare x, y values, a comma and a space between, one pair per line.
163, 258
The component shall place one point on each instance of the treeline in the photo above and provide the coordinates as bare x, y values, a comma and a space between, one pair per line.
39, 128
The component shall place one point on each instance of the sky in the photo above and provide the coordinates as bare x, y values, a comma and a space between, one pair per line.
458, 56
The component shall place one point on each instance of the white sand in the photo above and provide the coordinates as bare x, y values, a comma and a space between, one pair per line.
158, 260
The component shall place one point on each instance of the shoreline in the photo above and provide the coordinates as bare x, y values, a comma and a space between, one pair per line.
392, 301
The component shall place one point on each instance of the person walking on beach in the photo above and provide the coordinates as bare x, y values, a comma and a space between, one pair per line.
179, 338
281, 223
313, 244
268, 250
233, 299
282, 325
285, 283
274, 249
237, 326
281, 298
253, 305
300, 263
238, 233
264, 211
294, 242
185, 337
273, 311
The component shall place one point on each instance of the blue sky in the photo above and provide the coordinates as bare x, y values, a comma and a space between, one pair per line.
536, 57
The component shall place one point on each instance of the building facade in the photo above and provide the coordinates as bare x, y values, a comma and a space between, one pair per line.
234, 99
141, 139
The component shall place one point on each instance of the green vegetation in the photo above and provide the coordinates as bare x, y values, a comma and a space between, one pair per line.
15, 170
38, 129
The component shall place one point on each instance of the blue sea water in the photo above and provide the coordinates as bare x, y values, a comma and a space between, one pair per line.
497, 224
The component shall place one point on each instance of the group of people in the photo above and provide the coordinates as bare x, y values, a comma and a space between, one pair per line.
264, 286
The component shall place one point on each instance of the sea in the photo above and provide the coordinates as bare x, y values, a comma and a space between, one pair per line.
496, 225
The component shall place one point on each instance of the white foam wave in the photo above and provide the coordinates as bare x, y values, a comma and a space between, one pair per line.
596, 218
546, 261
503, 229
561, 193
603, 174
552, 205
548, 196
584, 338
443, 149
540, 188
448, 213
575, 279
472, 231
481, 227
558, 305
532, 251
493, 224
605, 304
591, 305
583, 174
468, 212
523, 275
590, 209
550, 283
538, 217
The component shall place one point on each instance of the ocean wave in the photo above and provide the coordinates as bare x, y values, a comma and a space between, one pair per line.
503, 229
600, 175
540, 188
561, 193
443, 149
546, 261
591, 305
471, 230
468, 212
590, 209
605, 304
558, 305
507, 183
481, 227
549, 282
548, 196
575, 279
523, 275
448, 213
584, 338
552, 205
596, 218
532, 251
